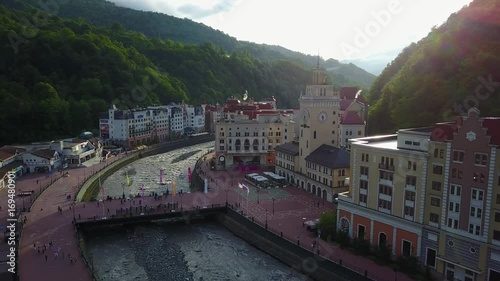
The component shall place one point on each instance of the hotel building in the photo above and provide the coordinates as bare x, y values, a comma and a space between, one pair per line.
432, 193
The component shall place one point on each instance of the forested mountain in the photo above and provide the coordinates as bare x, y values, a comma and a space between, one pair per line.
56, 75
186, 31
452, 69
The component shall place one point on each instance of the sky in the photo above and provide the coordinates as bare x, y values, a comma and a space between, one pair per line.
344, 30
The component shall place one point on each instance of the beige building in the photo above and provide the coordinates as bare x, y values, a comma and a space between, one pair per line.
431, 193
243, 142
314, 161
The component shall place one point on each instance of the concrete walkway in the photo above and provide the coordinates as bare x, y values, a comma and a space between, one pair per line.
45, 224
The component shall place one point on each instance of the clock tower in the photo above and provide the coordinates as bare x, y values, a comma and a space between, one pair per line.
320, 115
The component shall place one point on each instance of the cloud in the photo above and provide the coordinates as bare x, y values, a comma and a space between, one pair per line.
193, 9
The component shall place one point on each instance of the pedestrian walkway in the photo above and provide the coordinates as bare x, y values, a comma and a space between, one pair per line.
45, 225
50, 221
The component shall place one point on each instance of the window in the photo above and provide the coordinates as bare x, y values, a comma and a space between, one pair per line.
436, 186
476, 212
497, 216
410, 195
361, 231
409, 211
458, 156
454, 207
364, 170
437, 169
406, 251
455, 190
436, 202
363, 184
441, 153
474, 229
411, 180
434, 218
496, 235
480, 159
363, 198
384, 204
477, 194
436, 153
384, 189
498, 198
452, 223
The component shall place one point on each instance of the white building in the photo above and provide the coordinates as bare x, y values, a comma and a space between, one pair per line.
195, 119
149, 125
42, 160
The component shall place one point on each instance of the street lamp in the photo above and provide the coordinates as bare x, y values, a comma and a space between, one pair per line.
226, 195
181, 199
273, 204
266, 218
123, 190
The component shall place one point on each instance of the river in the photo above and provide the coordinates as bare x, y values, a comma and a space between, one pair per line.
182, 252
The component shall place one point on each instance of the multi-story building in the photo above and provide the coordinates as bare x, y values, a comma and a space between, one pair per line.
149, 125
242, 141
195, 119
430, 192
314, 161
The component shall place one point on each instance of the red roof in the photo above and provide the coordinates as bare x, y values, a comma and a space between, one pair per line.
7, 152
360, 98
351, 118
443, 131
492, 126
348, 93
344, 104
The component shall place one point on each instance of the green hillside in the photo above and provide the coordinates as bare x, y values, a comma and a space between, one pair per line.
56, 76
439, 77
161, 26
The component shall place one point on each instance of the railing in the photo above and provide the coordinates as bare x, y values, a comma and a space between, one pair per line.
87, 259
363, 273
386, 167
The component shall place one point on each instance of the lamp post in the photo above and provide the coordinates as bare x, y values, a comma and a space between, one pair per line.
181, 199
273, 204
123, 190
226, 195
266, 218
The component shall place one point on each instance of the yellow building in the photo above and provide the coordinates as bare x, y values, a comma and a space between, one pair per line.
314, 160
430, 192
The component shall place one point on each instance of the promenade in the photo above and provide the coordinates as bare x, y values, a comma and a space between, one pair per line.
286, 213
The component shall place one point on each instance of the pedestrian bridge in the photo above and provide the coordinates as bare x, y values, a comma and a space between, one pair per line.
140, 214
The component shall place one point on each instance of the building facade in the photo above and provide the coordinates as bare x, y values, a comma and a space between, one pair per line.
432, 193
241, 141
314, 161
153, 124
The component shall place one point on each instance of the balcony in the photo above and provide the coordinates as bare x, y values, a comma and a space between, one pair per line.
385, 182
387, 167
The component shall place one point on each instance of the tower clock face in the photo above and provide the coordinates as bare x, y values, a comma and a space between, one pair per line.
322, 116
305, 115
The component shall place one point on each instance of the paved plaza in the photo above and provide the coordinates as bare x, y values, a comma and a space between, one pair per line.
284, 209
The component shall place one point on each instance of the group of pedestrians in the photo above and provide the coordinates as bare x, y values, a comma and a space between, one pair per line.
44, 250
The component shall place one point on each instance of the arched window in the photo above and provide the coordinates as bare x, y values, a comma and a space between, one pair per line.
247, 144
255, 144
237, 144
382, 240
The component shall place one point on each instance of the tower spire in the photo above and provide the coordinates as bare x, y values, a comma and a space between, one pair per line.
318, 59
